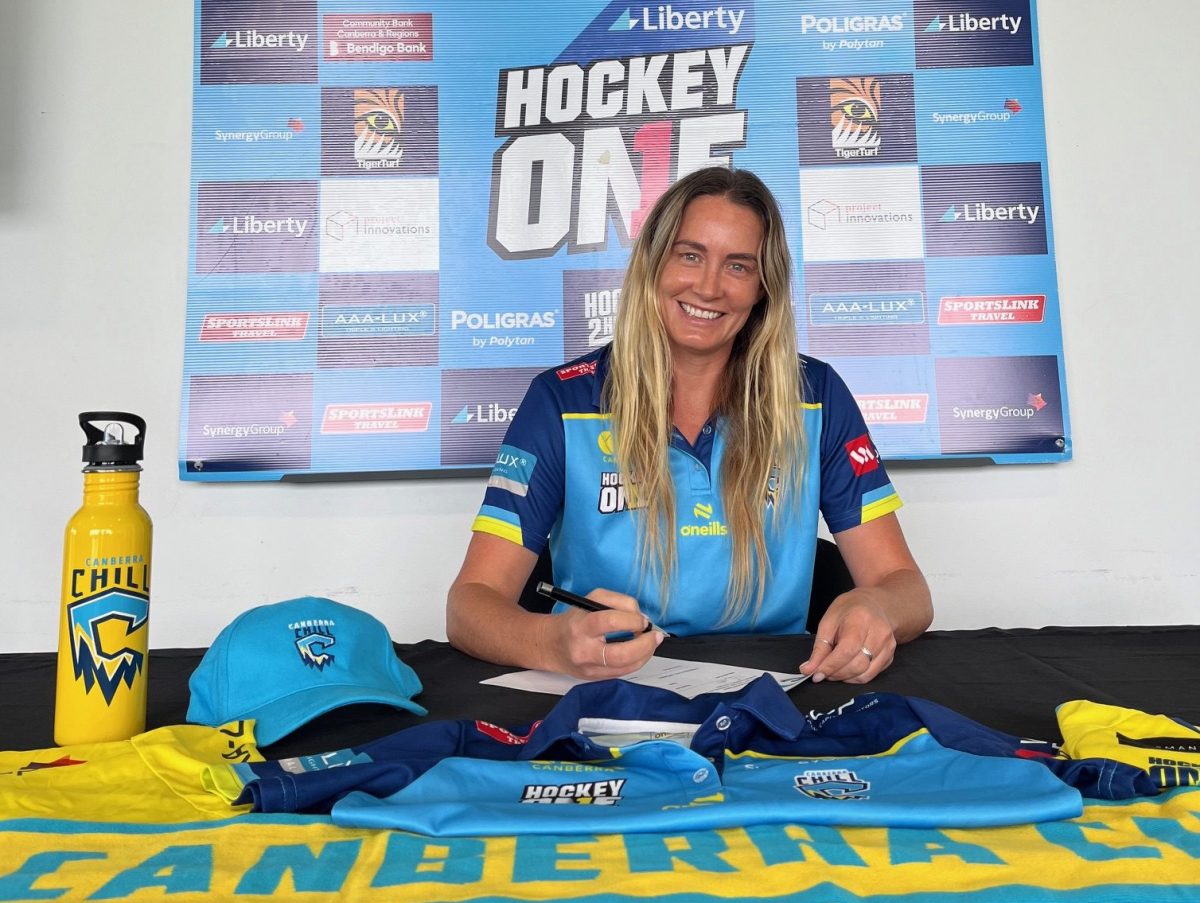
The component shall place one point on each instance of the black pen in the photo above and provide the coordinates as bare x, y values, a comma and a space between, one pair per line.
558, 594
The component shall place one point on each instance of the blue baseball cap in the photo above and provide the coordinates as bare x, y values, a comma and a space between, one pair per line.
286, 663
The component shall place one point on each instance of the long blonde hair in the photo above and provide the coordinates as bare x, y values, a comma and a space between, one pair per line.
758, 398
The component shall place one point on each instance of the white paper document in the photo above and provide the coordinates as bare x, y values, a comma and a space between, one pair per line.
688, 679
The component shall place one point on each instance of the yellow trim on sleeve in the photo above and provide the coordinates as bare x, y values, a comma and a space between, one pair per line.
880, 508
582, 416
497, 527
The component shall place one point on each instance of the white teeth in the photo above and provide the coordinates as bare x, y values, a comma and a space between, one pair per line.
697, 312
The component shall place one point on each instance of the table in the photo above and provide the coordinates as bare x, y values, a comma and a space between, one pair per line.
1008, 679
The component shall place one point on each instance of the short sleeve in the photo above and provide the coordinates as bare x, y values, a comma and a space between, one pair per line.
855, 487
524, 495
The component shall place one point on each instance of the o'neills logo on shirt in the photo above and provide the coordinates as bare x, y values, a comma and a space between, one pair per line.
395, 417
592, 793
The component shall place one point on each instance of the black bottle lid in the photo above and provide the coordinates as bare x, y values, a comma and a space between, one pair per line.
109, 446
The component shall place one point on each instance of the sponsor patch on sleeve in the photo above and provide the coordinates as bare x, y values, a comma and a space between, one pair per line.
862, 454
574, 370
512, 470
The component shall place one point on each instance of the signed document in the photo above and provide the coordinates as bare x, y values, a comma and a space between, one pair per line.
688, 679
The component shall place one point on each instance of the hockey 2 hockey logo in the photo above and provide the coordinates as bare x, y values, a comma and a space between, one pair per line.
313, 639
863, 455
100, 654
586, 793
833, 784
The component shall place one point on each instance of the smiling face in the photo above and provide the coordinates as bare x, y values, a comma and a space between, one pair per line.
711, 278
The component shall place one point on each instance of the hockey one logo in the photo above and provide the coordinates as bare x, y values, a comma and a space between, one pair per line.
378, 127
855, 105
832, 784
586, 793
101, 654
313, 639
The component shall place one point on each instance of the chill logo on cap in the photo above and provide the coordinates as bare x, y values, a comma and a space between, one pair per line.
313, 639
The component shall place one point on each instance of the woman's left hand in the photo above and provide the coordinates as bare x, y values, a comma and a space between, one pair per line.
855, 641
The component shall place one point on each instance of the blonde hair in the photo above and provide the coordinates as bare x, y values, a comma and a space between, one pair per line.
759, 397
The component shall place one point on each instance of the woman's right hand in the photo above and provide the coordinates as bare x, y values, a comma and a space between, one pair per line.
578, 638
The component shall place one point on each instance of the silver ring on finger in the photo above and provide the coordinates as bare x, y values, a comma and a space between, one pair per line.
822, 639
868, 653
604, 655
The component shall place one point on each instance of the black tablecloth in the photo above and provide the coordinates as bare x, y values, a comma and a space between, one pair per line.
1007, 679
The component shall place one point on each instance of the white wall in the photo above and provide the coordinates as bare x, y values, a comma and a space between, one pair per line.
94, 125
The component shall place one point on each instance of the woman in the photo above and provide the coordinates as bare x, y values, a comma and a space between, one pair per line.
678, 473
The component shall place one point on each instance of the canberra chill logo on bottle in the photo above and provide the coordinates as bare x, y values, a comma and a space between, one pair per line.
113, 604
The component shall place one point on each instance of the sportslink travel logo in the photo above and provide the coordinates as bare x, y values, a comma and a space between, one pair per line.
313, 638
984, 210
378, 417
991, 309
893, 409
285, 326
861, 118
962, 33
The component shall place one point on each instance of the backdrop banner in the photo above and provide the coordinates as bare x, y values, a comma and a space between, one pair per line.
402, 212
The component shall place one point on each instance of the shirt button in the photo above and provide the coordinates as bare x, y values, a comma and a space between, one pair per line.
696, 468
700, 776
707, 430
723, 723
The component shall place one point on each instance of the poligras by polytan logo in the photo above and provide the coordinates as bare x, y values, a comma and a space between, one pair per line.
520, 319
965, 22
484, 413
253, 39
665, 17
850, 24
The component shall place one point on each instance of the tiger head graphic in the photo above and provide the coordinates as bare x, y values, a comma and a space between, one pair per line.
854, 109
378, 124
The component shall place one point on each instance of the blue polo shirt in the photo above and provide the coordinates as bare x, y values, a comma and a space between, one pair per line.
555, 480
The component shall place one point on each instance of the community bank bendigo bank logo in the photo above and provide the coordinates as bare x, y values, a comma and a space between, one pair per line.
313, 638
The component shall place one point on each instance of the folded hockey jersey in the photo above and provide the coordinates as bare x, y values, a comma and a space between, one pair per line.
759, 720
1167, 749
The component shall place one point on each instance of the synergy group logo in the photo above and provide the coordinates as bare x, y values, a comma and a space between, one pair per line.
590, 301
984, 210
962, 33
256, 227
380, 130
243, 422
852, 119
868, 213
269, 41
999, 404
477, 408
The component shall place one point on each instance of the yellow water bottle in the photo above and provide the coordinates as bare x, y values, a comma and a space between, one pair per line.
104, 626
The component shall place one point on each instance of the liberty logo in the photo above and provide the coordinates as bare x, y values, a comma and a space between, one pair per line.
101, 654
313, 639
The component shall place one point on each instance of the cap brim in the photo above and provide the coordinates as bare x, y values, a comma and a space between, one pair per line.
278, 718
